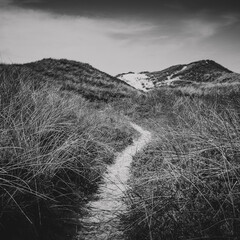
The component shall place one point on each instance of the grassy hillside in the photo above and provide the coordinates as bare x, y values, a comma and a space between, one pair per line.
62, 122
186, 184
54, 147
225, 87
79, 77
159, 76
204, 71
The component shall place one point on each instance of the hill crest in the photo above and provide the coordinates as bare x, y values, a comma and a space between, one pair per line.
74, 76
181, 74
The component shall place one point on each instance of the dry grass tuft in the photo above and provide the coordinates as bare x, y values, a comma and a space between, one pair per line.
187, 184
54, 147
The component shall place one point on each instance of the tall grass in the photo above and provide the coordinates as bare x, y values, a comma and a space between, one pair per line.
210, 89
54, 147
187, 184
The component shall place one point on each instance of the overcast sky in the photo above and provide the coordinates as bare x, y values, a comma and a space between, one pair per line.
121, 36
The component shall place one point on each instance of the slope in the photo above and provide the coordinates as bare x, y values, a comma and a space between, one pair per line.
183, 74
54, 146
79, 77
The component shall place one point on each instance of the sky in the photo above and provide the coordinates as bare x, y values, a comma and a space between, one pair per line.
121, 36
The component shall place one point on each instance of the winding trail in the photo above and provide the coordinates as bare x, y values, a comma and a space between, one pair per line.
103, 221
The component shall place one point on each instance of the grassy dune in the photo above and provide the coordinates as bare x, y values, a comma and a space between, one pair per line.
77, 77
186, 185
54, 146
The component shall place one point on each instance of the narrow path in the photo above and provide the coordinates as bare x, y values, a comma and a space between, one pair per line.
102, 222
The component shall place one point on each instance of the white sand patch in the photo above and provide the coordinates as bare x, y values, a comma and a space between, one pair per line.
138, 80
184, 68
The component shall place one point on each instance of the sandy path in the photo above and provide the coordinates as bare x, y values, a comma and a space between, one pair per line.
102, 222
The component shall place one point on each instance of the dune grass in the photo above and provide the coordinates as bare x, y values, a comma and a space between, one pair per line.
186, 185
54, 147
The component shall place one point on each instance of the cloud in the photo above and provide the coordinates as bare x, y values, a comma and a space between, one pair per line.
31, 35
199, 28
5, 3
119, 44
137, 33
136, 7
159, 19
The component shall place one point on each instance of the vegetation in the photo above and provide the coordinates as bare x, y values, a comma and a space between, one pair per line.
77, 77
54, 147
61, 123
81, 78
204, 71
186, 184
